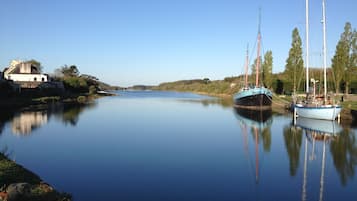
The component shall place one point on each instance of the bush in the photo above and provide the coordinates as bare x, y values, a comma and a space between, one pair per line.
92, 90
75, 84
81, 99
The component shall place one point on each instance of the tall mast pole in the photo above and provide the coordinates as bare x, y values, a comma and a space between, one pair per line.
307, 45
323, 170
256, 155
324, 47
246, 69
257, 68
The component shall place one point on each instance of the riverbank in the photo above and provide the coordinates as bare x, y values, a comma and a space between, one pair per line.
280, 104
20, 184
19, 102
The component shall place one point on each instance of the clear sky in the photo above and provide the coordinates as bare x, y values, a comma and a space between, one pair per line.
127, 42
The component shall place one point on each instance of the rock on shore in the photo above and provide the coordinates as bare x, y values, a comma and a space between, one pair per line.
19, 184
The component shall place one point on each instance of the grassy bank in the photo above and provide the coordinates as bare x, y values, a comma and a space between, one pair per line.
18, 183
221, 88
18, 102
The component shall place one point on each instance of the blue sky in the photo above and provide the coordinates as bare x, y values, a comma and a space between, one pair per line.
127, 42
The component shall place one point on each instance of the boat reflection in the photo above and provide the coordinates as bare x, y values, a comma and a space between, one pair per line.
259, 122
259, 119
318, 133
318, 127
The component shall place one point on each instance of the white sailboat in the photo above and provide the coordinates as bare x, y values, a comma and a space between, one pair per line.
317, 109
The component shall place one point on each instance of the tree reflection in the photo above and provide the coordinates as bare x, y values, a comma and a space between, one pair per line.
293, 140
344, 154
264, 137
69, 113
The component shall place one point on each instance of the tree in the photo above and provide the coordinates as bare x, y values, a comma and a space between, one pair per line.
69, 71
294, 63
353, 57
267, 69
253, 67
341, 61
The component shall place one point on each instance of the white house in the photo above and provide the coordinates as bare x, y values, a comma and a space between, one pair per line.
25, 73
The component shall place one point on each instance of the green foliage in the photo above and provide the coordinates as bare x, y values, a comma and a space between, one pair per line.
267, 68
10, 172
344, 59
75, 84
254, 70
47, 99
206, 80
200, 86
68, 71
81, 99
294, 63
92, 89
352, 65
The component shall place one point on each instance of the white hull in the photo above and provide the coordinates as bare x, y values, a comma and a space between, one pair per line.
326, 112
319, 126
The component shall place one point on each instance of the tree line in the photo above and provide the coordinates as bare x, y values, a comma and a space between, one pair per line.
342, 75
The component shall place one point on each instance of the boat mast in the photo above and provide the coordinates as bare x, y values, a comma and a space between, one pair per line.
324, 48
322, 170
305, 173
246, 69
256, 155
258, 54
307, 44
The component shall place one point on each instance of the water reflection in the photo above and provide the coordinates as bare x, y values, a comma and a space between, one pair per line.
318, 133
293, 141
321, 134
69, 114
23, 123
344, 154
259, 123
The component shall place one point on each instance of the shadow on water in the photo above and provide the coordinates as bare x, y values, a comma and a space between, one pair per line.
24, 122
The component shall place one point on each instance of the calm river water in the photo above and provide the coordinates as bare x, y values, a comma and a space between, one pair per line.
171, 146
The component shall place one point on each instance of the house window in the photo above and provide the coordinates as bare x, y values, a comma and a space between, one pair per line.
35, 79
43, 79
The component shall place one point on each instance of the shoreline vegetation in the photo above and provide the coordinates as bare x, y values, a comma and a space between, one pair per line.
20, 184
